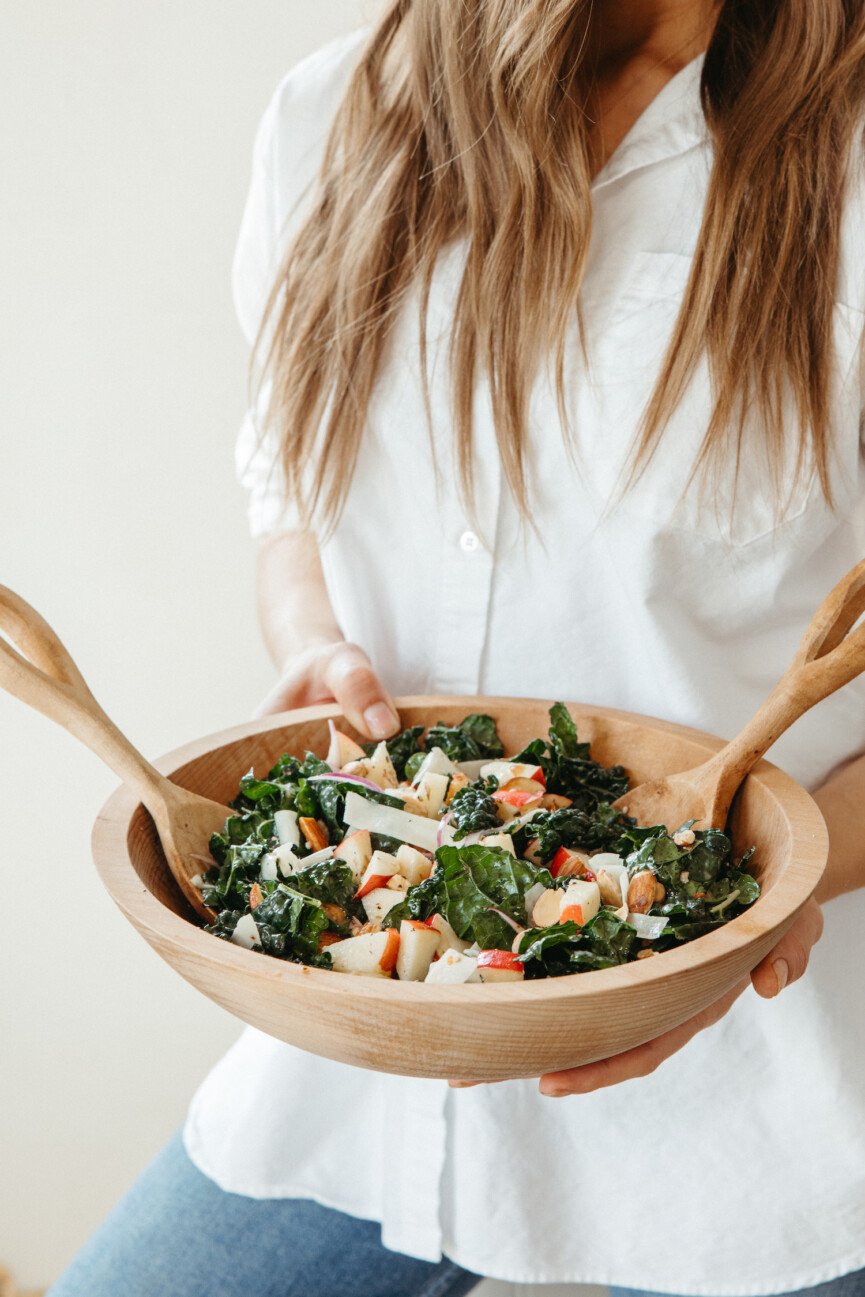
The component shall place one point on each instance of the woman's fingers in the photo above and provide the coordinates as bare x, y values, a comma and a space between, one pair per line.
639, 1061
340, 673
787, 961
350, 679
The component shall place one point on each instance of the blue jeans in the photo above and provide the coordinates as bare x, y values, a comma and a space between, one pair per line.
176, 1234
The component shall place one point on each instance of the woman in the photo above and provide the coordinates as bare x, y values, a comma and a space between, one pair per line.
562, 396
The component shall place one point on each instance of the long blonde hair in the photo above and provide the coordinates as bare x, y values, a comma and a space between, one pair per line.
461, 121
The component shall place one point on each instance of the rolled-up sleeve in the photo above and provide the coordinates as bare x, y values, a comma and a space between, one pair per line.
256, 261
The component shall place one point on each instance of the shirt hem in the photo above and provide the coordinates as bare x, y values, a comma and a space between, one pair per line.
673, 1284
193, 1152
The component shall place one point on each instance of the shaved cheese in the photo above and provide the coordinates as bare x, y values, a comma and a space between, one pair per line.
286, 859
285, 823
648, 926
246, 933
267, 872
316, 857
416, 830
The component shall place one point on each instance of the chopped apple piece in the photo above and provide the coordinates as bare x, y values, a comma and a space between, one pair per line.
448, 939
453, 969
566, 861
436, 762
380, 868
377, 902
356, 851
431, 791
342, 749
378, 767
503, 840
500, 966
510, 802
417, 947
373, 954
504, 771
413, 864
582, 896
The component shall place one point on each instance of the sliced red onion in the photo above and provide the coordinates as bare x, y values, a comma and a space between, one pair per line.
445, 820
348, 779
512, 923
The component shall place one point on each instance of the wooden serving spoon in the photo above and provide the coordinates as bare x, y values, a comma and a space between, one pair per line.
827, 658
43, 674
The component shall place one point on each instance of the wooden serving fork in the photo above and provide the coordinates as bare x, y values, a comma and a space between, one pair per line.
39, 671
830, 655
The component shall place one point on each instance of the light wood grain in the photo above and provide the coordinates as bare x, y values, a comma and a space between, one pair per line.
830, 655
41, 673
475, 1031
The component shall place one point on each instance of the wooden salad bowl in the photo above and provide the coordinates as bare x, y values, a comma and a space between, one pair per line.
475, 1031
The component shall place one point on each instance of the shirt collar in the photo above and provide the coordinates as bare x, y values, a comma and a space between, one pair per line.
672, 123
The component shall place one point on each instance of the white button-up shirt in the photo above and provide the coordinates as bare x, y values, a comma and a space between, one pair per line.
739, 1167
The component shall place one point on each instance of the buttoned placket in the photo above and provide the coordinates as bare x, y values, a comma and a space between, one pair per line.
468, 557
411, 1215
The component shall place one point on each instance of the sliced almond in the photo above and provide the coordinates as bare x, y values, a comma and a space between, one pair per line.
554, 802
458, 780
641, 892
314, 831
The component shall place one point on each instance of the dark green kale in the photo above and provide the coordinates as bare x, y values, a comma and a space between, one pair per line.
604, 942
401, 747
330, 881
599, 829
568, 766
472, 808
469, 885
238, 852
472, 739
290, 923
703, 887
330, 797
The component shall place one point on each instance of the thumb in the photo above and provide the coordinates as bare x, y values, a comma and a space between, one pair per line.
787, 961
349, 677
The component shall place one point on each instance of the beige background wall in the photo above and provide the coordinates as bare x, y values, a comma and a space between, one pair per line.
124, 155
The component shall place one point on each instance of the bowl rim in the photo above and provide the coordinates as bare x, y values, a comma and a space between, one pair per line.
167, 930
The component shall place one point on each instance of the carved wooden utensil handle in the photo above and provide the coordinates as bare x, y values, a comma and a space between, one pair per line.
830, 655
37, 668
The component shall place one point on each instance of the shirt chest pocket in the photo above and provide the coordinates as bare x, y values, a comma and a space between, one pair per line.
629, 330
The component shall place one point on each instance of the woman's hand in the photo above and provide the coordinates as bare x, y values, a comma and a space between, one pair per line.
301, 632
335, 672
783, 965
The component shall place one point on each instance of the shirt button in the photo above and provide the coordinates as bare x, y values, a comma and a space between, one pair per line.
469, 542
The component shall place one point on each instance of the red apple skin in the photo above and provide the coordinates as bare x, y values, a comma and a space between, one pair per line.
512, 797
500, 959
540, 777
387, 963
377, 880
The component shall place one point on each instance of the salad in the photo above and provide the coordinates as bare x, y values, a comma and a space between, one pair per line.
435, 857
